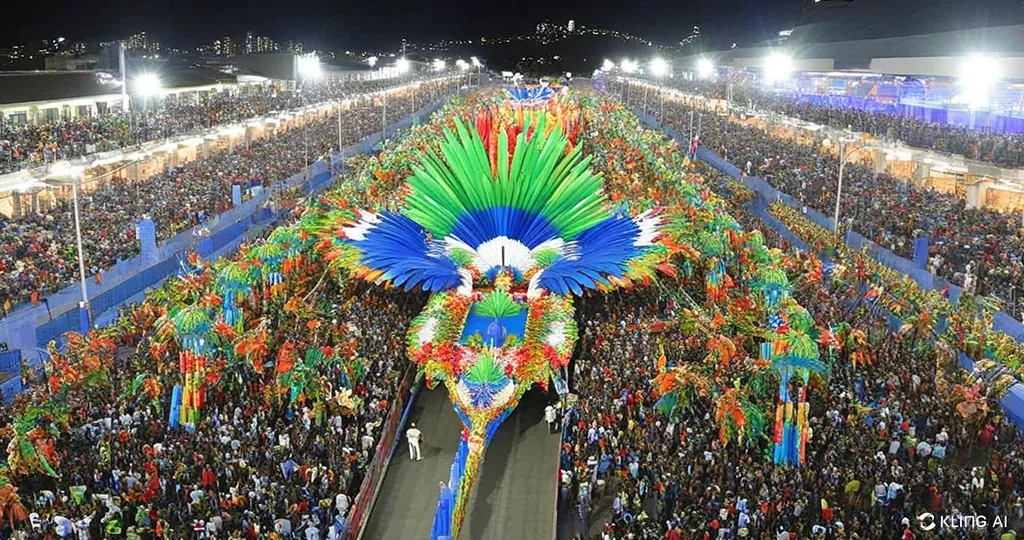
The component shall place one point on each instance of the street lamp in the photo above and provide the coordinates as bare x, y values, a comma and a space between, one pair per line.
309, 67
843, 156
659, 67
147, 84
439, 65
403, 65
607, 65
777, 67
477, 65
628, 66
978, 75
74, 177
705, 68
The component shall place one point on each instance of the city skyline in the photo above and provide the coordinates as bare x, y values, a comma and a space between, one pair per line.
371, 26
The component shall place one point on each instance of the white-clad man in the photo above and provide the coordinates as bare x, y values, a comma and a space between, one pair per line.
414, 435
341, 502
550, 416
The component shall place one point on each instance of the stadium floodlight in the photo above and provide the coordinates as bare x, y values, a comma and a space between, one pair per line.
628, 66
147, 84
777, 67
372, 61
403, 65
439, 65
705, 69
309, 67
659, 67
978, 75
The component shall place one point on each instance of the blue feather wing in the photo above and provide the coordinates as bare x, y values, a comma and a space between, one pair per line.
601, 251
398, 246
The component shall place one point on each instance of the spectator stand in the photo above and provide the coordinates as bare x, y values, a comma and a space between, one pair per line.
33, 328
1012, 403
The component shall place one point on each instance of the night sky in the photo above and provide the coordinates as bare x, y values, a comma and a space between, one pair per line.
361, 24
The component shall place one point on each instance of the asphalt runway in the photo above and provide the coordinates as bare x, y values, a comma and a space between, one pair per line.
405, 506
516, 490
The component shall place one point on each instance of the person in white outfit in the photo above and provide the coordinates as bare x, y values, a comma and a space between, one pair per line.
414, 435
550, 416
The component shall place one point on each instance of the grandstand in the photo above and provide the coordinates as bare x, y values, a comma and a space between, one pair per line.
862, 36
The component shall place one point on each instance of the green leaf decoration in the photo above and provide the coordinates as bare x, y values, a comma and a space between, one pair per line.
234, 276
462, 258
192, 320
314, 356
265, 252
546, 257
485, 371
498, 304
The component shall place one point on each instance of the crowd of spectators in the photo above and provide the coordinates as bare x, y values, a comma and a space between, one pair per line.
886, 445
29, 144
884, 121
976, 246
38, 253
247, 469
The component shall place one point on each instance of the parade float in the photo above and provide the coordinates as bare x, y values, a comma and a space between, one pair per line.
505, 208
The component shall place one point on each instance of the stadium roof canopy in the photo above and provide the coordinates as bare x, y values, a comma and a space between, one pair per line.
844, 20
906, 37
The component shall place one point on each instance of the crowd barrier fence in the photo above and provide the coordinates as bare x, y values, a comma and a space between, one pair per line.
1012, 403
373, 479
32, 327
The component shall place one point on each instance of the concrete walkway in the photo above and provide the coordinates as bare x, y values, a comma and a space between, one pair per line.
405, 506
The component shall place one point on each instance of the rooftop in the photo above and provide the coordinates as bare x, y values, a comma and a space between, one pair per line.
31, 86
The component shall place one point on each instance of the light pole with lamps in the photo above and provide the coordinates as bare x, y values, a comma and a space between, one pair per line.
309, 69
147, 86
659, 68
843, 156
74, 177
477, 66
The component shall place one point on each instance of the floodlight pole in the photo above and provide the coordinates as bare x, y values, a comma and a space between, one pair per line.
339, 125
84, 304
839, 185
384, 119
